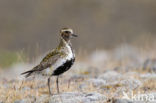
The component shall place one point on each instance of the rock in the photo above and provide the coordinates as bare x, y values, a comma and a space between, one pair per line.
110, 76
43, 99
83, 86
29, 99
131, 83
77, 77
26, 88
151, 97
97, 82
22, 101
137, 98
131, 74
127, 101
72, 97
148, 76
93, 97
121, 101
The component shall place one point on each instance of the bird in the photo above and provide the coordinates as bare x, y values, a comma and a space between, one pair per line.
57, 61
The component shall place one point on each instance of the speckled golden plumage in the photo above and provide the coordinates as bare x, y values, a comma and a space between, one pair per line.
50, 55
58, 60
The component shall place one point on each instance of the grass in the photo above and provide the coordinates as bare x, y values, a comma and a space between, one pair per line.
8, 58
16, 89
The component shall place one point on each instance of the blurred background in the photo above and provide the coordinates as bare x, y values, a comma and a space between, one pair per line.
115, 49
31, 27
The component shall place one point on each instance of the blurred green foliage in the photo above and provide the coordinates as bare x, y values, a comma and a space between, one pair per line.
8, 58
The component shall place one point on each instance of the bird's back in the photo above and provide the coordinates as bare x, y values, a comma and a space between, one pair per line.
55, 62
60, 59
63, 59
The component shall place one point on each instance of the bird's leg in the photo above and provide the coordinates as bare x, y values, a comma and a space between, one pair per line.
57, 82
49, 86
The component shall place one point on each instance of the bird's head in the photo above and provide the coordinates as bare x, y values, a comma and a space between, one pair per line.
67, 34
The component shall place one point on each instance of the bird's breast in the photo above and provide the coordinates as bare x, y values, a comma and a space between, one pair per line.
64, 67
68, 52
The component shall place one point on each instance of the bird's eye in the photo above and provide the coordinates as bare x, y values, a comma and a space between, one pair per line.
67, 32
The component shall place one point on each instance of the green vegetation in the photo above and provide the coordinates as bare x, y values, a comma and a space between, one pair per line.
8, 58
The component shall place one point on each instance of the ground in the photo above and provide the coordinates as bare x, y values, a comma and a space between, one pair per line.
125, 74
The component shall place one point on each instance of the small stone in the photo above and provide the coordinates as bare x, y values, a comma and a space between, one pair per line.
131, 83
121, 101
26, 88
83, 86
72, 97
110, 76
95, 97
22, 101
43, 99
97, 82
148, 76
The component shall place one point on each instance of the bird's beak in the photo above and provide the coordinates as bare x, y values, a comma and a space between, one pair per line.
74, 35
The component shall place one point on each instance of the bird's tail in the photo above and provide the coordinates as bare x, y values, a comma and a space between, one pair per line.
28, 73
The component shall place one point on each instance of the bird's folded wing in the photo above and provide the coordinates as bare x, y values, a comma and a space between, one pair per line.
49, 60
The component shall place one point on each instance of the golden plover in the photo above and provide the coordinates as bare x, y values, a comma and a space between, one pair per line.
58, 60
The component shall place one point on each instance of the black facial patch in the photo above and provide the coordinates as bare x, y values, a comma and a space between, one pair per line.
63, 68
